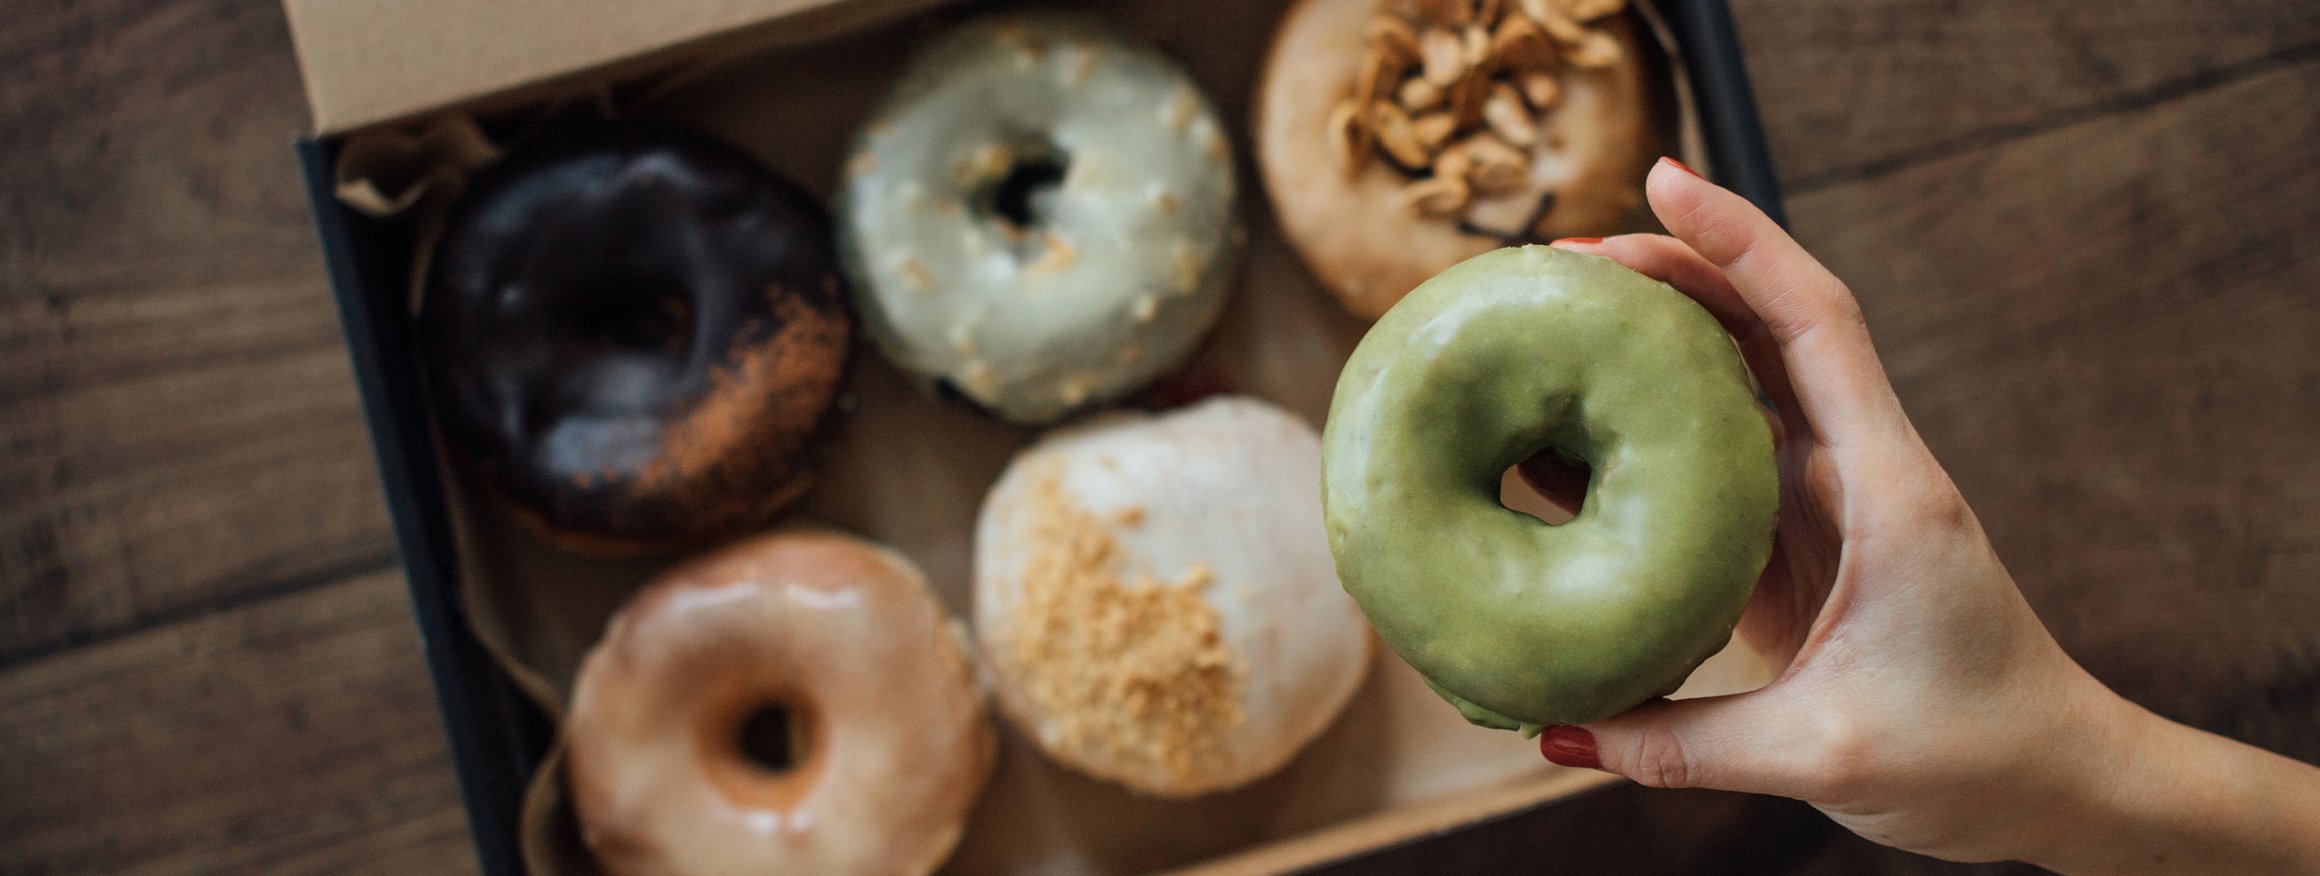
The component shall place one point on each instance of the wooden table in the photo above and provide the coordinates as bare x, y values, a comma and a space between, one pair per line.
2087, 236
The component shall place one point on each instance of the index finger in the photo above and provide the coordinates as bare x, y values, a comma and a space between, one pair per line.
1832, 366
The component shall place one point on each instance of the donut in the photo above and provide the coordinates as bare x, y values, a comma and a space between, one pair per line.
1399, 138
1039, 218
634, 334
794, 703
1535, 350
1155, 600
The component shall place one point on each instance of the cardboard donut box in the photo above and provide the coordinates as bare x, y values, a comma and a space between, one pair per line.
503, 618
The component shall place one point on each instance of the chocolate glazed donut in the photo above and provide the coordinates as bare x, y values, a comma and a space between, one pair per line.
634, 335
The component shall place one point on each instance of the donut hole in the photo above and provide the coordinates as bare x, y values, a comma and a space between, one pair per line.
1548, 485
628, 314
1024, 196
773, 738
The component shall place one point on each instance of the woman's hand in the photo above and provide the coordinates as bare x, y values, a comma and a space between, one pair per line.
1923, 705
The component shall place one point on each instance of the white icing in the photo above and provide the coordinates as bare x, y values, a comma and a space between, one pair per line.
1230, 484
1143, 207
900, 742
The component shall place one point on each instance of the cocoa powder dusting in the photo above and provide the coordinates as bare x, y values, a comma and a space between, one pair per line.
762, 406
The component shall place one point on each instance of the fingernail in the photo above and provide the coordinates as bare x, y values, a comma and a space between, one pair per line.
1570, 746
1582, 241
1672, 162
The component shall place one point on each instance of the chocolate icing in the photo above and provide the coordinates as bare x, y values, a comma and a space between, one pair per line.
634, 334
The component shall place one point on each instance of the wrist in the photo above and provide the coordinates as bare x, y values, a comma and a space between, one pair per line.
2153, 796
2102, 753
2122, 753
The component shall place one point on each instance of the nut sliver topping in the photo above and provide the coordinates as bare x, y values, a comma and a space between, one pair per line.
1454, 95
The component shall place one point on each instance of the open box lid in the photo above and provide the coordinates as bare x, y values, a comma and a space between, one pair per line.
373, 61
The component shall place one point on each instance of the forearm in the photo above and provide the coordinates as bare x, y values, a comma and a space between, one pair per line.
2165, 798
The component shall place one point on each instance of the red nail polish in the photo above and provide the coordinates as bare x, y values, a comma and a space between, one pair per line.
1578, 240
1670, 160
1571, 747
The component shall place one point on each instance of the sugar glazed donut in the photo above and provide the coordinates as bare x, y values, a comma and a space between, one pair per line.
1155, 601
634, 334
1506, 355
797, 703
1040, 216
1398, 138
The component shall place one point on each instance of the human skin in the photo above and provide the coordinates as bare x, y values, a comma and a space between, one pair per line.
1923, 704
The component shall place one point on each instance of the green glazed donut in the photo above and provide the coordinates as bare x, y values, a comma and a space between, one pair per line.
1516, 622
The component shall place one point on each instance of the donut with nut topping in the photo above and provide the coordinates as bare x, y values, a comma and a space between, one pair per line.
1399, 138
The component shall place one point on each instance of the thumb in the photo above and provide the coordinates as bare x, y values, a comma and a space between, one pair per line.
1724, 743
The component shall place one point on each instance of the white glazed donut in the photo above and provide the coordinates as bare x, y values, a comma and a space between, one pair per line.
1040, 216
1155, 599
794, 703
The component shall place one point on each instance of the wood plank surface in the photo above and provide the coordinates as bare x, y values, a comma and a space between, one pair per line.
2108, 336
2107, 333
181, 424
2084, 233
157, 263
295, 735
161, 303
1853, 88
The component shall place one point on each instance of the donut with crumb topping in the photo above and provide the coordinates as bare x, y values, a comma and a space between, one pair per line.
1155, 599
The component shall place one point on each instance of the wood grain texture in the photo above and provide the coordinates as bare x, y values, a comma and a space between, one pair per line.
1853, 88
296, 735
181, 425
2107, 333
184, 429
2084, 235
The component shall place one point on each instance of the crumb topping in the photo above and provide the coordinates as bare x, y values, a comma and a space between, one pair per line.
1126, 669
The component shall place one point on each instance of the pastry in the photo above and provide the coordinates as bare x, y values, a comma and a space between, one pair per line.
796, 703
1400, 138
1040, 217
1532, 350
634, 335
1155, 601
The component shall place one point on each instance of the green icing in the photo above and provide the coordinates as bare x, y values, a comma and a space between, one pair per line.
1516, 622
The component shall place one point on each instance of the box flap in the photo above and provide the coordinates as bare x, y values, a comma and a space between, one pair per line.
372, 61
